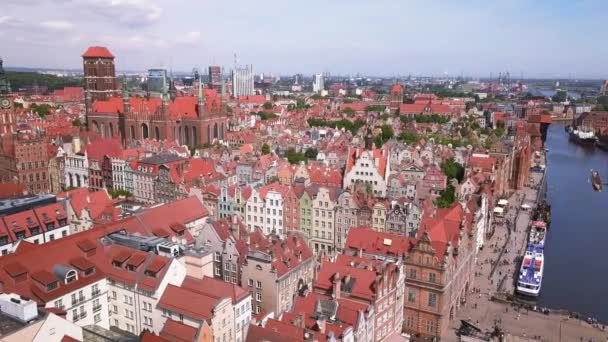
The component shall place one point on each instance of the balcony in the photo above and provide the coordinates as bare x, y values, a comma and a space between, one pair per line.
95, 293
83, 315
75, 301
96, 308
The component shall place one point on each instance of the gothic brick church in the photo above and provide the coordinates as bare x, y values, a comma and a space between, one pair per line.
190, 120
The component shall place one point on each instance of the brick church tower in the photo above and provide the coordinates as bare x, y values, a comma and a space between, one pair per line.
396, 97
99, 73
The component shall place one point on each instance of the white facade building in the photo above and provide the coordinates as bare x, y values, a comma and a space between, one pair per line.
242, 81
318, 84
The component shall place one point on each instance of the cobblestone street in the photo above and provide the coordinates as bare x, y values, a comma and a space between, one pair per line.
504, 247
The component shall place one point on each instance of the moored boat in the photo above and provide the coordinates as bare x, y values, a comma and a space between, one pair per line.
581, 137
596, 181
530, 277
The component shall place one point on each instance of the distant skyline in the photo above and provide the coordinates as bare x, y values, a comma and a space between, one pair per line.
542, 38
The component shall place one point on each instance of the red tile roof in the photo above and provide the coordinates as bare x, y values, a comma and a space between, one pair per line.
10, 189
215, 288
444, 227
181, 107
178, 332
97, 51
188, 302
374, 242
363, 279
486, 164
380, 154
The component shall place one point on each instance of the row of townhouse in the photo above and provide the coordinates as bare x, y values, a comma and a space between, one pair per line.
272, 268
39, 225
323, 214
96, 278
384, 284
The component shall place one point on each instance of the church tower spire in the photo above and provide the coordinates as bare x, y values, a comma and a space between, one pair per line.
200, 105
126, 103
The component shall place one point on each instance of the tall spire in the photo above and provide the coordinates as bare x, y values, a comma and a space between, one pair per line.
223, 86
201, 98
125, 91
164, 96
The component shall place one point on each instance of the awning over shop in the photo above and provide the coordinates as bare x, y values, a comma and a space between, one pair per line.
498, 210
503, 202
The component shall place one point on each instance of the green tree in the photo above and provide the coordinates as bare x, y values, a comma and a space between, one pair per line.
265, 149
452, 169
31, 79
76, 123
560, 96
348, 111
273, 179
387, 132
119, 193
311, 153
446, 198
378, 141
408, 137
265, 116
267, 105
295, 157
375, 108
40, 109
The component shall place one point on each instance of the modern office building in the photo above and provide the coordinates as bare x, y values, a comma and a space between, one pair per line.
318, 83
157, 79
215, 77
242, 81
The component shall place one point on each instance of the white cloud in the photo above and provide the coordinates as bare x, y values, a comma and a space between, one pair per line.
190, 38
129, 12
57, 25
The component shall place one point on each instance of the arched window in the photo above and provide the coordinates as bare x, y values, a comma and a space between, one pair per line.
111, 130
208, 134
194, 137
71, 276
144, 131
187, 135
215, 133
132, 132
157, 133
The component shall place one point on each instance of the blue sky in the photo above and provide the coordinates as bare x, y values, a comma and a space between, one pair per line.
539, 38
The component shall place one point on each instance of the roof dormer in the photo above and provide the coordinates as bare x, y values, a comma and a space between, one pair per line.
65, 273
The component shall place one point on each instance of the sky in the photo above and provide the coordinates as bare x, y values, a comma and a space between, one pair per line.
533, 38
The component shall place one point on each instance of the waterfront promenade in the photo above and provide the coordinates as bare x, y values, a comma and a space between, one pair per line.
489, 305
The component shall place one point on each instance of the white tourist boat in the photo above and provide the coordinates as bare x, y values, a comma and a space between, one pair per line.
531, 271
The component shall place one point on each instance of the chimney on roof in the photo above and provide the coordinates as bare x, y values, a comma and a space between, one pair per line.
321, 324
88, 199
336, 286
299, 321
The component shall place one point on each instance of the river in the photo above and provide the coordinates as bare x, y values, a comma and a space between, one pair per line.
576, 271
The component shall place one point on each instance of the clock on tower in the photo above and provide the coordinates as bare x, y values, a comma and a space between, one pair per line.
5, 101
